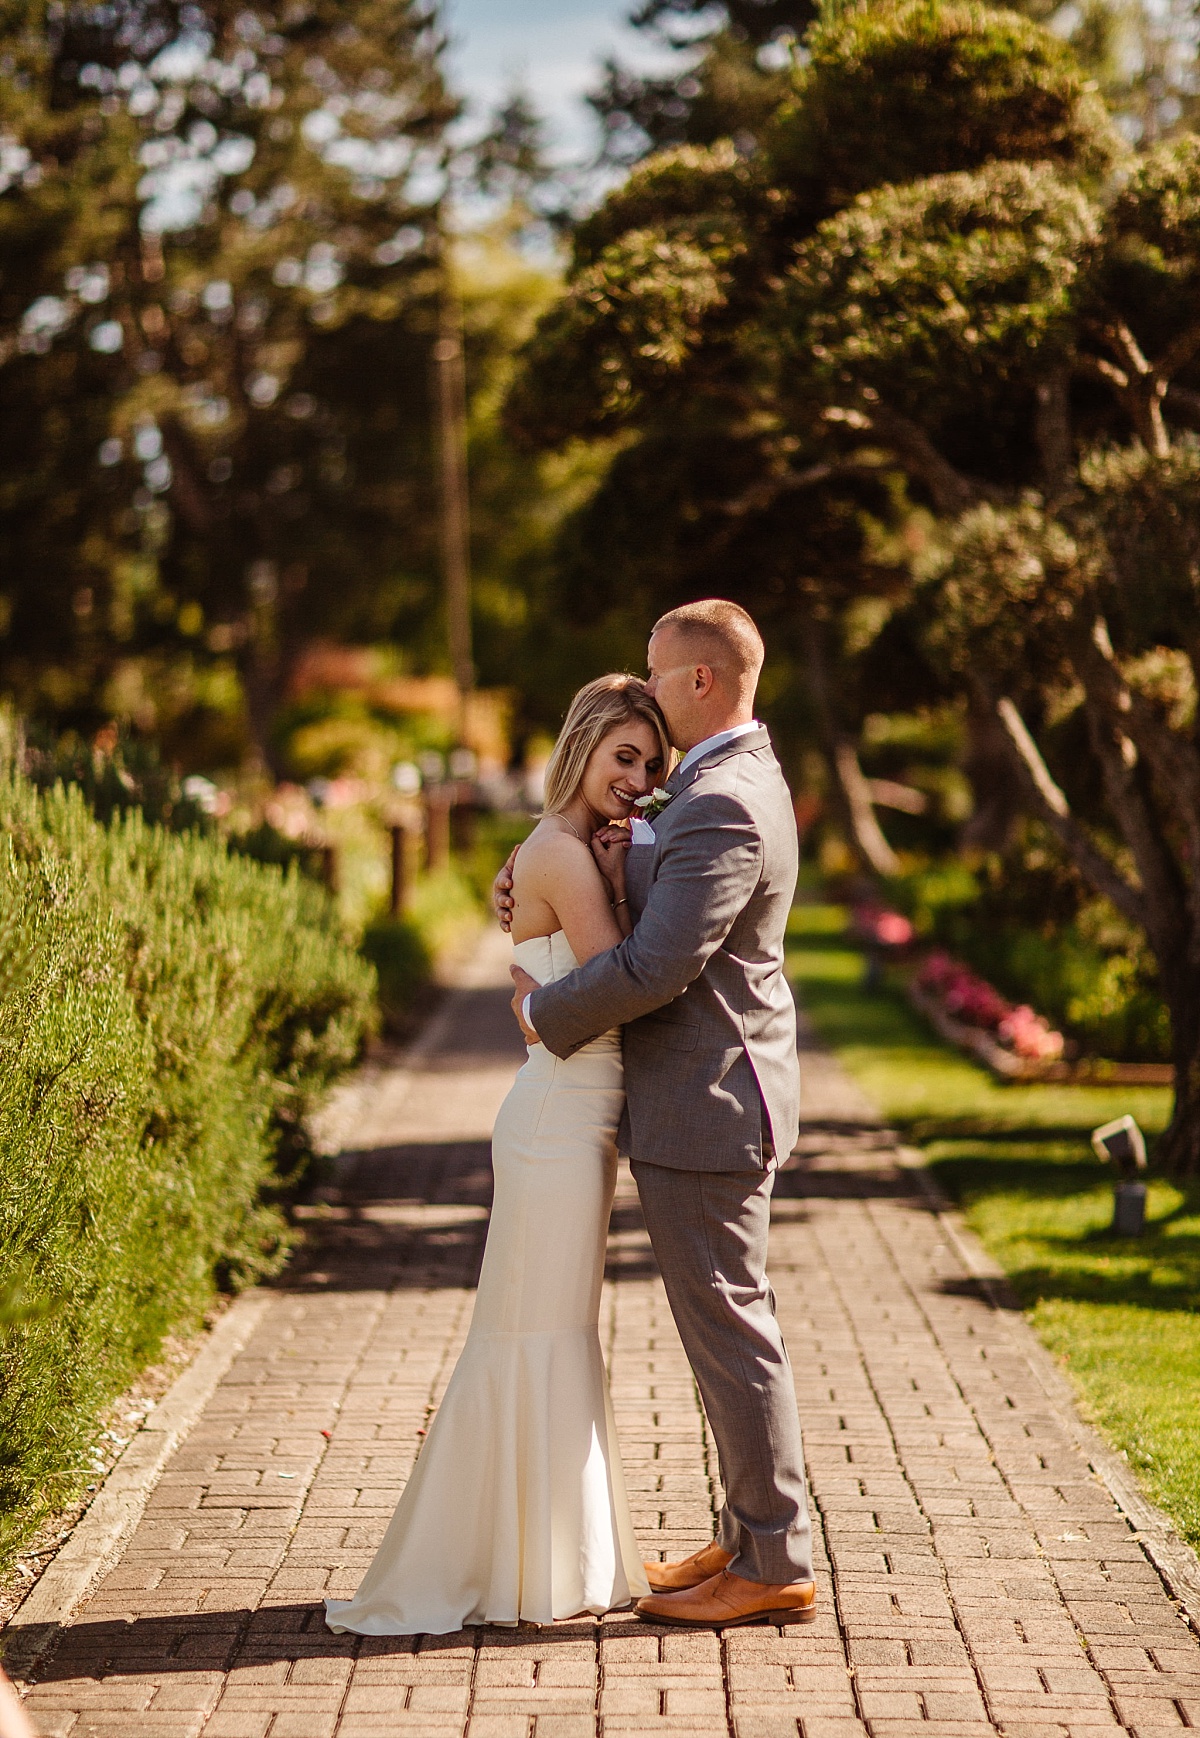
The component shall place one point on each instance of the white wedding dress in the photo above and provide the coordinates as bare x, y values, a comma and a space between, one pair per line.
516, 1509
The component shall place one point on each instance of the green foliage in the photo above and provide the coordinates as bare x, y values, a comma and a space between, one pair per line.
1028, 922
732, 92
923, 314
128, 774
404, 951
626, 326
919, 1083
692, 191
214, 251
403, 961
959, 283
169, 1016
1147, 511
1005, 580
896, 92
444, 911
1160, 203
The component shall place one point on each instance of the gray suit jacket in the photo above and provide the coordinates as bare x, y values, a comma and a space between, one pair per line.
712, 1080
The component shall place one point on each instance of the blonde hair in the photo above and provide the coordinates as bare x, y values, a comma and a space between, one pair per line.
603, 706
724, 633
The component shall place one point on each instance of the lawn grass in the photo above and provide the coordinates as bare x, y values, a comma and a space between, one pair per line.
1119, 1313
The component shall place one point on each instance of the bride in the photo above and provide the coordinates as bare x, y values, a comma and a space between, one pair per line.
516, 1509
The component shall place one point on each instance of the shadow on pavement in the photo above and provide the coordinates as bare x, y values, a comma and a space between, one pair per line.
225, 1640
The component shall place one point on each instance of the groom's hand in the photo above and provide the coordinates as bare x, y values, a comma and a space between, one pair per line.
502, 896
524, 985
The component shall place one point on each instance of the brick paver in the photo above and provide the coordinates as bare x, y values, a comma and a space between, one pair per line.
975, 1577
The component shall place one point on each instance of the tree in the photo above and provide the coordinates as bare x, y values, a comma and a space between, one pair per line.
218, 244
731, 74
734, 474
1021, 349
1064, 590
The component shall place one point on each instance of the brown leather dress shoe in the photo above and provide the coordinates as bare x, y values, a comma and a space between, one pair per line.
709, 1560
725, 1600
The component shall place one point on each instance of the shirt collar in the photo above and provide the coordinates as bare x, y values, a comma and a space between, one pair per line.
717, 741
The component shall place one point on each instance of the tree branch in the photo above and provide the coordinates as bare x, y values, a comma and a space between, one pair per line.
952, 492
1139, 384
1052, 430
856, 789
1100, 368
851, 789
1179, 352
1174, 761
767, 491
1051, 803
1184, 401
1163, 894
1126, 346
1146, 387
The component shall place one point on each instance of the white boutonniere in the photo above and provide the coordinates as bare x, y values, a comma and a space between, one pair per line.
653, 805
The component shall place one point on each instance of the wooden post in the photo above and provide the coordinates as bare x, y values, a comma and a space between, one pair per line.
462, 824
437, 831
405, 840
329, 868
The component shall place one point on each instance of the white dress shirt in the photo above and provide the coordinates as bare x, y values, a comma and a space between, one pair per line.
689, 759
717, 741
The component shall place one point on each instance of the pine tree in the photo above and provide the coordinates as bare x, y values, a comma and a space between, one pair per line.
220, 266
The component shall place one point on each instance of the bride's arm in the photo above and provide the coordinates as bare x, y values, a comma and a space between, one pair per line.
562, 873
608, 849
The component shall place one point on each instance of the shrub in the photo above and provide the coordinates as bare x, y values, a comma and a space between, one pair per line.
403, 963
169, 1013
1028, 924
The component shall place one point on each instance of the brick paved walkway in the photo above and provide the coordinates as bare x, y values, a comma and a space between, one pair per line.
975, 1577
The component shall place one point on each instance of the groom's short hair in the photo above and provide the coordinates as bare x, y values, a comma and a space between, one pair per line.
723, 634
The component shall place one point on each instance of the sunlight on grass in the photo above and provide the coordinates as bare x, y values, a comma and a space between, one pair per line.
1119, 1313
1138, 1374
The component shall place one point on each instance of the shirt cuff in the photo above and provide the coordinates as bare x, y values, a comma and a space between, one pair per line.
525, 1012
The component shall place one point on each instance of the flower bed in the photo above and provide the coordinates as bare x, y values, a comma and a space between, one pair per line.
1012, 1040
972, 1001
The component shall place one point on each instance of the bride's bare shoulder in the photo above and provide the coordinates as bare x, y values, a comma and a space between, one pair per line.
549, 853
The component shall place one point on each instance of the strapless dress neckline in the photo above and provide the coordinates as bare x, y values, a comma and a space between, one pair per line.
545, 957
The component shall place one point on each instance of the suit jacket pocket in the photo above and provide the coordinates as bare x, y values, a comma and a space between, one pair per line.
670, 1029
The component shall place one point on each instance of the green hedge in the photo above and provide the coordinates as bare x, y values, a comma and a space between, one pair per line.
169, 1012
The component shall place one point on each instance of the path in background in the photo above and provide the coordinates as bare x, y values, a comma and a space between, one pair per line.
975, 1577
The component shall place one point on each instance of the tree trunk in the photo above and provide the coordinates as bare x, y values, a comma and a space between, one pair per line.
866, 835
852, 793
996, 788
264, 664
1179, 1148
263, 683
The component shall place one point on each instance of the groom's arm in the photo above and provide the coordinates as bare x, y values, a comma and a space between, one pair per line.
708, 869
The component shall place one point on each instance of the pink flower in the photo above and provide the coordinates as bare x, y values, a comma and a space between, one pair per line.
974, 1001
892, 929
1031, 1035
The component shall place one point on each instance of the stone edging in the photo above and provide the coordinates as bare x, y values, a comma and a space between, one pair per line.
1176, 1564
102, 1530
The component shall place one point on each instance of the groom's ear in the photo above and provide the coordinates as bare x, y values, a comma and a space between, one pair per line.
702, 678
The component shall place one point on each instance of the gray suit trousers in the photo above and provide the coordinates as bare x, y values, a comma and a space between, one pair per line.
708, 1230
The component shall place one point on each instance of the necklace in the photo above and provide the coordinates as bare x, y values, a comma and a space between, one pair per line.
574, 829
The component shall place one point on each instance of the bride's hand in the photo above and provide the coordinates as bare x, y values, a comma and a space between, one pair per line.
502, 894
609, 846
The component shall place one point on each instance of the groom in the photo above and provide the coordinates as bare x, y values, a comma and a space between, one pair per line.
712, 1096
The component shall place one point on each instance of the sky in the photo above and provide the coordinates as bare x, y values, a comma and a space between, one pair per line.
552, 47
